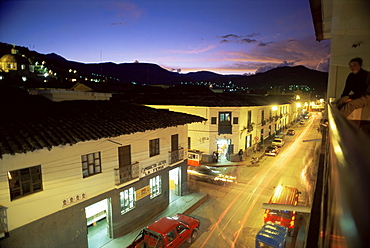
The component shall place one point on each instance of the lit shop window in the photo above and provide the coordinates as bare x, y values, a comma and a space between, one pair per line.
127, 198
155, 186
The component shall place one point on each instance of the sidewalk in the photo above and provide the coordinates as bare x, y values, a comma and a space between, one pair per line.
246, 158
184, 204
188, 203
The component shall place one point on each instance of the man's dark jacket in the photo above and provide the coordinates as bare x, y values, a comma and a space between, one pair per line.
358, 83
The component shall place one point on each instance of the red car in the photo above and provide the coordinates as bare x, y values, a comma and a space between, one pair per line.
168, 232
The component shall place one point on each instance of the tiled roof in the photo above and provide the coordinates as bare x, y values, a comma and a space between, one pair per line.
29, 123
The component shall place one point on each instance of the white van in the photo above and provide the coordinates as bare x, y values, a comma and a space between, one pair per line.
278, 142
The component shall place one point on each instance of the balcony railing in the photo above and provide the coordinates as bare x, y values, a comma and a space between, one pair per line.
225, 129
340, 211
176, 156
3, 223
126, 173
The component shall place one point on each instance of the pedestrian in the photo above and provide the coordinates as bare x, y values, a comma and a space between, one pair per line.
215, 157
358, 82
240, 154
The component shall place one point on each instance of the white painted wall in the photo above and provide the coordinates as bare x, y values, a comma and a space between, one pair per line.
204, 135
348, 24
62, 172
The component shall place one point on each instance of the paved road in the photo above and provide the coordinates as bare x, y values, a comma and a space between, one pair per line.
233, 214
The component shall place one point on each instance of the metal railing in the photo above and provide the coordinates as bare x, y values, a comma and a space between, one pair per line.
126, 173
340, 211
176, 156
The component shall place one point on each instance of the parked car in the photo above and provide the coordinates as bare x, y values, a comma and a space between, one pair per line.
279, 142
272, 151
302, 122
290, 132
168, 232
210, 175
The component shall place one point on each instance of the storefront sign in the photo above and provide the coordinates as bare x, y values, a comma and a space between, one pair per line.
141, 193
153, 168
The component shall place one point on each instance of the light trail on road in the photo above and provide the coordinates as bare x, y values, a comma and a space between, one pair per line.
263, 178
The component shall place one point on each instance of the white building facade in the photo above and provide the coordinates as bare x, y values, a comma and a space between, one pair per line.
229, 129
52, 196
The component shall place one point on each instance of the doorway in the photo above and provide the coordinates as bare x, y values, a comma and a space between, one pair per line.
175, 191
223, 149
98, 220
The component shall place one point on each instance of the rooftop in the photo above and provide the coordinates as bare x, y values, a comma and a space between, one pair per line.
29, 123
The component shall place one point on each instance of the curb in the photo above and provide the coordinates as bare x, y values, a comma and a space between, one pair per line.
196, 205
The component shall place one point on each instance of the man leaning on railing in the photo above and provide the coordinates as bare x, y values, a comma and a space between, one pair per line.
358, 81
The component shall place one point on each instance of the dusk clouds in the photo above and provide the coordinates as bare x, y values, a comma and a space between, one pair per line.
234, 37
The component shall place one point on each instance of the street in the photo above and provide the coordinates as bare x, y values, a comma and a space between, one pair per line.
233, 214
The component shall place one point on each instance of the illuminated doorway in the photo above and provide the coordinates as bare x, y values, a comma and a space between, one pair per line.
98, 218
175, 191
223, 149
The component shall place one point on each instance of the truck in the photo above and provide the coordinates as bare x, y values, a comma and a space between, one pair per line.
168, 232
285, 195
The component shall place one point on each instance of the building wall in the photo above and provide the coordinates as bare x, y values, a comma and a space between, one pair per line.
50, 221
349, 38
146, 208
204, 135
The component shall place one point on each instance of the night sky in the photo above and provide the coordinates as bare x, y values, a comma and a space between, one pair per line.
222, 36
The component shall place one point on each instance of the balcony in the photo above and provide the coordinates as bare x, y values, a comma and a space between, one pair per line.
225, 129
340, 210
250, 127
126, 173
176, 156
3, 223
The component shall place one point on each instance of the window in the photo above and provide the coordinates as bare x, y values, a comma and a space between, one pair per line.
91, 164
249, 118
127, 198
171, 236
235, 120
213, 120
180, 228
24, 182
153, 147
174, 142
155, 186
224, 124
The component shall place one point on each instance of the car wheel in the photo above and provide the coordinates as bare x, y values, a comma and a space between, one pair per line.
193, 236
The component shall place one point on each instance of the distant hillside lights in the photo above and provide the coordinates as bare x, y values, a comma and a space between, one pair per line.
42, 70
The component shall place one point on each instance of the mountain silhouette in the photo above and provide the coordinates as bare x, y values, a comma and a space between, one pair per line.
152, 74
